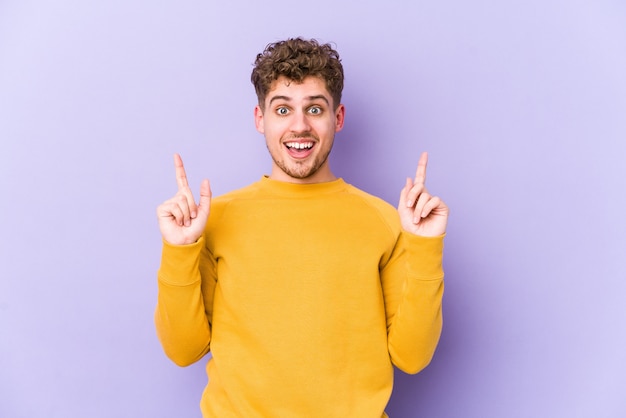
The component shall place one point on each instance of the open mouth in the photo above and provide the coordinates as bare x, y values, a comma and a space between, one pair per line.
299, 149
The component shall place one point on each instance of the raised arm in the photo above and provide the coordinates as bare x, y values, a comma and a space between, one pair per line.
184, 302
413, 279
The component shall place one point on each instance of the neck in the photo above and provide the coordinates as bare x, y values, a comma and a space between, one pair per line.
321, 175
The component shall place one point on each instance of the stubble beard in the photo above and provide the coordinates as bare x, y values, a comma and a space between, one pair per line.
302, 169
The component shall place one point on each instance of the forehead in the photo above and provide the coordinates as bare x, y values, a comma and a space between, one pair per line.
286, 89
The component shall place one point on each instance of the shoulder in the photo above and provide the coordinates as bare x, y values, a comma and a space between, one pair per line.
369, 199
220, 204
245, 192
374, 203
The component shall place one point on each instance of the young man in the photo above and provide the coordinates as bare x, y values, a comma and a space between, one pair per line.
305, 289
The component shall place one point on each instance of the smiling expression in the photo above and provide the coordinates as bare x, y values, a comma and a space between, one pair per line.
299, 121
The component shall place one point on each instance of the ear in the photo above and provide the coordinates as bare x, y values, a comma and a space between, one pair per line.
340, 115
258, 119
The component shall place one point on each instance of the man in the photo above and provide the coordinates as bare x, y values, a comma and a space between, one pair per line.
305, 289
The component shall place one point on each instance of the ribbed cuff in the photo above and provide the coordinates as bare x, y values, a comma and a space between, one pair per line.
425, 260
179, 263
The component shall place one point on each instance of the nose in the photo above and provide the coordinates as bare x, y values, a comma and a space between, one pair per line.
300, 122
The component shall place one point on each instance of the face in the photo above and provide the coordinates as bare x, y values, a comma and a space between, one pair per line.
299, 122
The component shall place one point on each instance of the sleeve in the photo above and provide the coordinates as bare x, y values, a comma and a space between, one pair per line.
186, 283
412, 282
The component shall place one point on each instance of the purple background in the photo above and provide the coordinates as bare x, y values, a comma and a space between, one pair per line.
521, 104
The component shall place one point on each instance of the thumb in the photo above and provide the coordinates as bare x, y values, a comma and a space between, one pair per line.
205, 197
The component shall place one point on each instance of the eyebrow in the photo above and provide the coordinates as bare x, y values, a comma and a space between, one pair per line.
309, 98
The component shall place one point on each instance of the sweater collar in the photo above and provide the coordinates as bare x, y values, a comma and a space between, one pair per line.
300, 190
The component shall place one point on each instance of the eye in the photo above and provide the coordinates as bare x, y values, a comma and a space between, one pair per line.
282, 111
315, 110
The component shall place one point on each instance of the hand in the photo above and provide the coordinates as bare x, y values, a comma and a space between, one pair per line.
421, 213
181, 221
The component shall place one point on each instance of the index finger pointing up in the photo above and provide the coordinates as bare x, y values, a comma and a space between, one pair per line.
420, 174
181, 176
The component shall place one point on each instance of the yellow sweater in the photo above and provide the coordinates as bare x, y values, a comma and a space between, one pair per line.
305, 295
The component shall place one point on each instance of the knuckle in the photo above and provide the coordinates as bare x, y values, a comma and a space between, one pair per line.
181, 199
165, 207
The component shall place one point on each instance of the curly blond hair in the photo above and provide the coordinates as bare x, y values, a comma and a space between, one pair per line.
296, 59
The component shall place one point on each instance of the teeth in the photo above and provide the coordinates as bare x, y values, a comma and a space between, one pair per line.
299, 145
